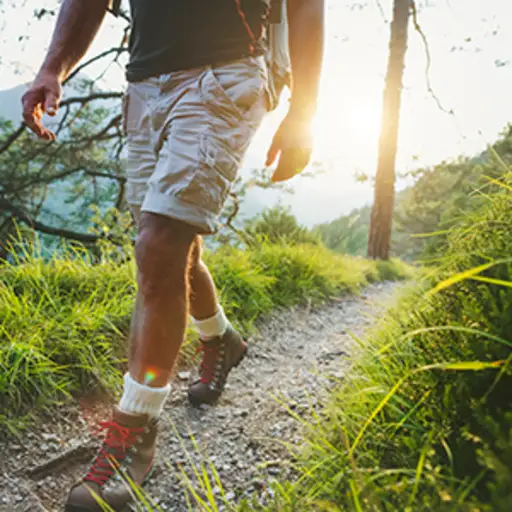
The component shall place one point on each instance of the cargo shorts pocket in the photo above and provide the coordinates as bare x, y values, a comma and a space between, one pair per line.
212, 180
232, 90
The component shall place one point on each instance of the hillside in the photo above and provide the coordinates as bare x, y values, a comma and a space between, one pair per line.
424, 212
10, 103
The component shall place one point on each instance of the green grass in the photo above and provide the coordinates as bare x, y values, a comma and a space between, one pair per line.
64, 322
425, 422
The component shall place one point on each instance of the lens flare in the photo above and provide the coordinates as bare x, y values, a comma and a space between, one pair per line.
150, 376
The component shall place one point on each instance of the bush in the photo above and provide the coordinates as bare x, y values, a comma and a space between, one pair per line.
277, 225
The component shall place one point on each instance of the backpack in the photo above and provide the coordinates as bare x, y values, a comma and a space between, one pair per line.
277, 55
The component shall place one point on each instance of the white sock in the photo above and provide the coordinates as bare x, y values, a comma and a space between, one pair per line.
212, 327
140, 399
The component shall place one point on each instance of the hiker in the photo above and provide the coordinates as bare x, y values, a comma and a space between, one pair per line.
199, 84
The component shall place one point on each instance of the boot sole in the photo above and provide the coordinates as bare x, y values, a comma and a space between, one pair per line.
195, 401
127, 507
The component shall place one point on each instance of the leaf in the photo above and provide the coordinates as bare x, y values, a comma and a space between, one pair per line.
428, 235
492, 281
461, 276
499, 183
471, 365
457, 328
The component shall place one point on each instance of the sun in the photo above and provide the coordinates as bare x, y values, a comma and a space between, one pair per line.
345, 125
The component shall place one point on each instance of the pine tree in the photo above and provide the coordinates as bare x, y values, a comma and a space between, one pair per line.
382, 212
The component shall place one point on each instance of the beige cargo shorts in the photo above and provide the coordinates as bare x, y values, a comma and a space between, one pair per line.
187, 134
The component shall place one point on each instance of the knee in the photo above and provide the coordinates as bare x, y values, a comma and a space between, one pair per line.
162, 248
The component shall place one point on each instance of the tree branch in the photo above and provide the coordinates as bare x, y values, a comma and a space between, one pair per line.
233, 214
26, 219
418, 29
40, 180
100, 56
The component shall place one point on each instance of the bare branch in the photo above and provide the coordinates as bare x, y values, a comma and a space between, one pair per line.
41, 180
418, 29
381, 10
92, 97
106, 53
26, 219
233, 214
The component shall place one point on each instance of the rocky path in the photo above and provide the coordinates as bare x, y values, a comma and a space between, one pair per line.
293, 360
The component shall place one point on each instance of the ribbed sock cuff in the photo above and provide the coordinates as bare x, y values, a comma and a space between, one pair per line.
213, 326
140, 399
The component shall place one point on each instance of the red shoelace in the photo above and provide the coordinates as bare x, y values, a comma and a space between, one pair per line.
117, 441
208, 362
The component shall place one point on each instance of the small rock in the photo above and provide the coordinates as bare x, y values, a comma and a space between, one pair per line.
230, 496
50, 438
188, 435
184, 375
258, 484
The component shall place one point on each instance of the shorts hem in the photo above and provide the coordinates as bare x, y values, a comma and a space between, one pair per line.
175, 208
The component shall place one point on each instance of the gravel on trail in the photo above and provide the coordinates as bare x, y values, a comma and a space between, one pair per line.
294, 358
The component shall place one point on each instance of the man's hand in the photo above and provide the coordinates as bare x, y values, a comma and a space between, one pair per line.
292, 145
43, 96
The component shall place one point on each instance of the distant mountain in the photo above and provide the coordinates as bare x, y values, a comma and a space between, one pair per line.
10, 103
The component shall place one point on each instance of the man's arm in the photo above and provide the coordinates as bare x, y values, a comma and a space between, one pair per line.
306, 42
77, 25
292, 142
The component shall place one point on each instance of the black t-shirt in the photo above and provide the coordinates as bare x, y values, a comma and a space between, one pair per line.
170, 35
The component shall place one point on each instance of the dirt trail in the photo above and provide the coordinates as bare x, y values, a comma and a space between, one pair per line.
294, 358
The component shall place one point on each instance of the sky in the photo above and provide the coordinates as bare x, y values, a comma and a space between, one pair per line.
470, 43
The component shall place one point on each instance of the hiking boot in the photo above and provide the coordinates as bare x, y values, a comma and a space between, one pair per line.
125, 457
220, 355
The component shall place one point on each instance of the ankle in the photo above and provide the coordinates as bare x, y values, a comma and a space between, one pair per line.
141, 399
212, 327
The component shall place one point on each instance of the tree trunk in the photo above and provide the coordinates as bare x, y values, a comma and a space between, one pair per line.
382, 213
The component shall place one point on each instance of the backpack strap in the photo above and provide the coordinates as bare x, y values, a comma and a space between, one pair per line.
277, 56
255, 38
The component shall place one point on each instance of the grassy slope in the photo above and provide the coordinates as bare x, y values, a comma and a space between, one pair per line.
426, 422
63, 323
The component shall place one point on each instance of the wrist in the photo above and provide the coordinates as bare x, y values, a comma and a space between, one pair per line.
52, 69
302, 110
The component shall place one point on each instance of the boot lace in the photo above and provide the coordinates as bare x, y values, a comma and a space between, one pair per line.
118, 441
210, 366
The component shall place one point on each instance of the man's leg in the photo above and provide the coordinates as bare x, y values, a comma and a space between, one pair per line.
222, 347
162, 253
203, 295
